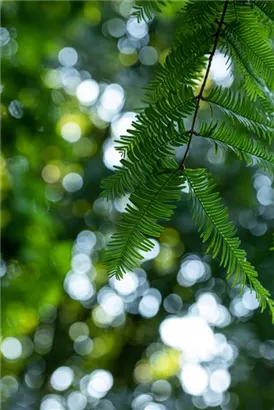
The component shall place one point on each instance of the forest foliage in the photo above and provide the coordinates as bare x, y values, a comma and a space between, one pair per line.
242, 31
173, 333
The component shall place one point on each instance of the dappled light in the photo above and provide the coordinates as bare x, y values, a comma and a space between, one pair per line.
174, 333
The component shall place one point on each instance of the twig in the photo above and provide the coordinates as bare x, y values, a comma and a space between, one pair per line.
200, 95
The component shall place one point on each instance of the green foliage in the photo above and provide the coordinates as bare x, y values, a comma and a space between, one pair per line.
252, 41
236, 107
198, 15
52, 238
240, 120
267, 9
246, 148
147, 9
183, 66
57, 300
141, 161
212, 220
157, 117
147, 206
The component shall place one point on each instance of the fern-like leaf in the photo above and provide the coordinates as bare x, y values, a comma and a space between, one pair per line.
256, 48
236, 107
147, 206
145, 10
157, 116
198, 15
246, 148
213, 223
267, 8
148, 172
183, 66
143, 160
185, 63
252, 82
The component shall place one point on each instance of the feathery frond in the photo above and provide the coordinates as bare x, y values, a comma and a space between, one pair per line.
186, 61
143, 160
266, 9
183, 66
256, 49
213, 223
243, 121
236, 106
252, 82
145, 10
198, 15
246, 148
158, 116
147, 206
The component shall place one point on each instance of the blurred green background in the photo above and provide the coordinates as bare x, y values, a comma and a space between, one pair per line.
172, 334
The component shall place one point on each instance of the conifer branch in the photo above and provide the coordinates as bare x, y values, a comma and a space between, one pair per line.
200, 95
149, 171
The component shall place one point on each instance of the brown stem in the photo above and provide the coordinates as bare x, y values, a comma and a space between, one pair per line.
200, 95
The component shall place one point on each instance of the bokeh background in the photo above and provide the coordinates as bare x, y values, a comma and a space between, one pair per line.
170, 335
